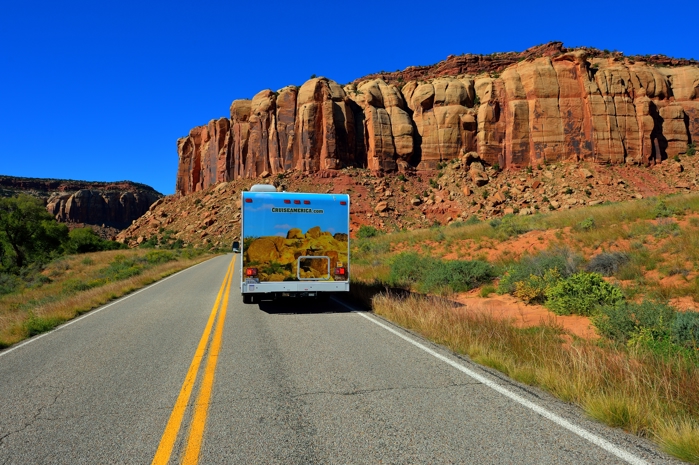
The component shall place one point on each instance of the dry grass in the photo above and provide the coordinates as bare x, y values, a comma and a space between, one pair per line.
643, 394
75, 288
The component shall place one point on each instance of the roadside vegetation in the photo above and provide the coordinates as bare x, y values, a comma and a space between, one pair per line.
624, 266
49, 274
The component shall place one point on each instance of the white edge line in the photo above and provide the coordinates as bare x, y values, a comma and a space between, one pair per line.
603, 443
92, 312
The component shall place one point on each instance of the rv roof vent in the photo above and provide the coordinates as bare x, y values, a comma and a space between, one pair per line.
263, 188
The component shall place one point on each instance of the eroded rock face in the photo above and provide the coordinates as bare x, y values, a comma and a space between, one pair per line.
554, 106
115, 209
114, 205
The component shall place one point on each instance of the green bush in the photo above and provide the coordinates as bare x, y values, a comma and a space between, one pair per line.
408, 269
534, 288
122, 268
621, 321
83, 240
456, 275
9, 283
691, 149
563, 260
607, 263
586, 225
150, 243
508, 226
36, 325
428, 274
581, 294
367, 231
665, 227
73, 285
155, 257
685, 329
661, 210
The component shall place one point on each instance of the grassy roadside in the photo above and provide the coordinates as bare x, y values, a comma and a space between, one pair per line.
633, 390
76, 284
633, 258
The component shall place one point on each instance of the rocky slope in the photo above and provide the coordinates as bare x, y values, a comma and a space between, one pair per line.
514, 110
461, 190
107, 206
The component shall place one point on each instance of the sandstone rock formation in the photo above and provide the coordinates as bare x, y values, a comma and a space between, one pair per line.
114, 205
515, 110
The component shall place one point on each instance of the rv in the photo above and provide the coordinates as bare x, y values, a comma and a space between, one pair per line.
293, 244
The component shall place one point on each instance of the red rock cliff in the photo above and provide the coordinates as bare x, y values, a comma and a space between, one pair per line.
515, 110
113, 205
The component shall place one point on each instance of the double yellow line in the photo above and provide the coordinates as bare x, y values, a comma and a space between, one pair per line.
196, 430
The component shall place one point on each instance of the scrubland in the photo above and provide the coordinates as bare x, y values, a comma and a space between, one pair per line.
630, 269
74, 284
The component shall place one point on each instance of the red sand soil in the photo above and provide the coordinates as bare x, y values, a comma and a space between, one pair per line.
524, 315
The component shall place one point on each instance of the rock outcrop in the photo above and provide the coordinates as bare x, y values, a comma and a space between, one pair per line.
513, 110
114, 205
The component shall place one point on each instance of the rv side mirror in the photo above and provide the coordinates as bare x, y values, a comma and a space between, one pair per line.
236, 246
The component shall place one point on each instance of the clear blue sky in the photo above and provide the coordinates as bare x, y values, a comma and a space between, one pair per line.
101, 90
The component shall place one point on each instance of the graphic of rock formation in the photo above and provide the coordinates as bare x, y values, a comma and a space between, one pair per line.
546, 104
277, 258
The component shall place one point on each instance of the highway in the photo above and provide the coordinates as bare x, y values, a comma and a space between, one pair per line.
184, 372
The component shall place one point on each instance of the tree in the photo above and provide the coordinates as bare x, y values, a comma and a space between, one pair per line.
27, 231
82, 240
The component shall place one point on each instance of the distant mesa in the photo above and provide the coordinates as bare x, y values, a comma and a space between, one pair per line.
513, 110
109, 205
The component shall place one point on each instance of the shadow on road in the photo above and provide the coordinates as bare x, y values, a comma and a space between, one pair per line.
300, 305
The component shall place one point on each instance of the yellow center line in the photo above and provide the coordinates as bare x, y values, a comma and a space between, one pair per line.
196, 432
167, 442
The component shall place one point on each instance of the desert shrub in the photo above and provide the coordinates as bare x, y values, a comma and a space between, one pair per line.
150, 243
369, 250
83, 240
662, 210
607, 263
586, 225
9, 283
691, 149
365, 232
73, 285
36, 325
408, 269
429, 274
581, 294
621, 321
565, 261
508, 226
486, 290
685, 329
534, 288
155, 257
456, 275
472, 220
665, 227
122, 268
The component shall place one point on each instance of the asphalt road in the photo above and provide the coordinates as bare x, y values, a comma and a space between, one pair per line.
286, 383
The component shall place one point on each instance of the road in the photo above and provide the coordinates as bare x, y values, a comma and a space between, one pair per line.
181, 373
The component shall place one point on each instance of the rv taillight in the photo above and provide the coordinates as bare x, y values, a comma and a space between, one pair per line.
251, 272
306, 202
248, 200
287, 201
342, 202
340, 271
297, 202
